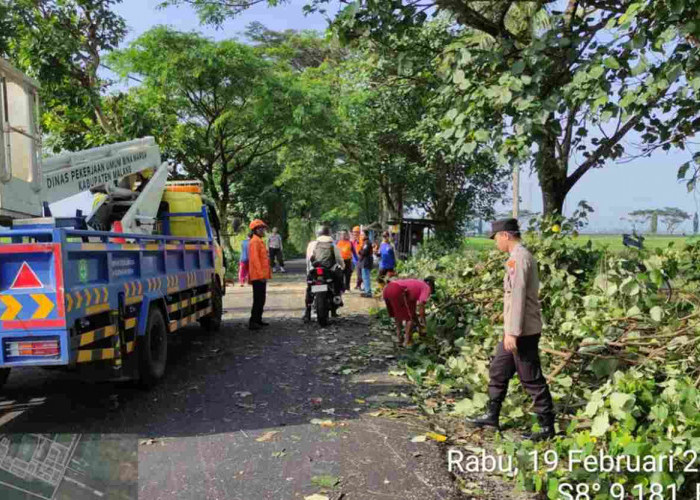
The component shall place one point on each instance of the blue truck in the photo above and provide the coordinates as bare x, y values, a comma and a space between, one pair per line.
99, 293
105, 303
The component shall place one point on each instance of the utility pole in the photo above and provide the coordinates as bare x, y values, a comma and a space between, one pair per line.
516, 191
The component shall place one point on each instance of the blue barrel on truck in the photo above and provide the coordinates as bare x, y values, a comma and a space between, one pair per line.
103, 303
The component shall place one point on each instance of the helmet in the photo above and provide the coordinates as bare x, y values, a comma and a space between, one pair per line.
356, 229
256, 224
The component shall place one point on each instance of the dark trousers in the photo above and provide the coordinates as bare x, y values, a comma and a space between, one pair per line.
348, 274
276, 252
359, 275
259, 296
526, 362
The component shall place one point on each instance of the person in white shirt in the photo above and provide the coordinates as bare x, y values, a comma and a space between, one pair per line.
274, 246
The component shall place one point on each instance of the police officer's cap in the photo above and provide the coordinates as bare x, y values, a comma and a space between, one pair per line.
510, 225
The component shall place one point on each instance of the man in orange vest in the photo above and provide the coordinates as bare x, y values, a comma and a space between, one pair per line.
259, 272
348, 253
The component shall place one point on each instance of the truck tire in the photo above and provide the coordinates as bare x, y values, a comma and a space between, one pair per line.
153, 349
4, 373
322, 308
212, 322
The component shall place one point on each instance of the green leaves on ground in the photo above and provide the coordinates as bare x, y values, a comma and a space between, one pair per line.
325, 481
626, 356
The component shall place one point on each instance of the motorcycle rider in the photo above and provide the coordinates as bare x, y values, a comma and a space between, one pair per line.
322, 252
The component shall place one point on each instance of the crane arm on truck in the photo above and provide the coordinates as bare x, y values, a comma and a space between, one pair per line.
129, 175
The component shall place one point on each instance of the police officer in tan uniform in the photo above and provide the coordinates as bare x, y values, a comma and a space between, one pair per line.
522, 326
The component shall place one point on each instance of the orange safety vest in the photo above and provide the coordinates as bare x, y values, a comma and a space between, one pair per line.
345, 247
258, 260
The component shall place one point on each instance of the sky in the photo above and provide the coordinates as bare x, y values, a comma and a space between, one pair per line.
613, 191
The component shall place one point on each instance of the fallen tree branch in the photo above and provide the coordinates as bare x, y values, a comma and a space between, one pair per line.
561, 366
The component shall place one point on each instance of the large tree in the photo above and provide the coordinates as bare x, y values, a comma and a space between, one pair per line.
299, 50
575, 86
559, 84
61, 43
7, 27
673, 217
232, 108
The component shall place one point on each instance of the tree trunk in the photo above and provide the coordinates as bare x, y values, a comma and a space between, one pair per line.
446, 226
391, 204
552, 176
226, 231
446, 230
383, 208
277, 214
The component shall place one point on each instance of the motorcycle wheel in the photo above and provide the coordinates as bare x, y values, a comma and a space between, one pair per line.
321, 308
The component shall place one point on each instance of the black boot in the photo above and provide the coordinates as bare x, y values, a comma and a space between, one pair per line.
307, 315
547, 428
488, 419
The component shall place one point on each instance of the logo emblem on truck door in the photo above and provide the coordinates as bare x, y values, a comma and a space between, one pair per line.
83, 270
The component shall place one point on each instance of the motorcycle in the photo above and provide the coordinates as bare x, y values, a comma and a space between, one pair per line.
324, 293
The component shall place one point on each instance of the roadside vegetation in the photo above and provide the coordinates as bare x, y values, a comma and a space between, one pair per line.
620, 349
611, 242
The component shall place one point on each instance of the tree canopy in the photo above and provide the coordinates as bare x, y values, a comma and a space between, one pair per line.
61, 44
404, 105
556, 85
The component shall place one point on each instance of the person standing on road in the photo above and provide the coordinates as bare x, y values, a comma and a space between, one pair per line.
387, 258
402, 298
274, 245
347, 252
243, 268
366, 263
260, 272
357, 243
522, 328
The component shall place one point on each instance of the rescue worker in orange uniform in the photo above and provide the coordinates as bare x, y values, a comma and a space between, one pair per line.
348, 253
259, 272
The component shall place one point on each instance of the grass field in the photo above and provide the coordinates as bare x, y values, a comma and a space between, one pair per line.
612, 242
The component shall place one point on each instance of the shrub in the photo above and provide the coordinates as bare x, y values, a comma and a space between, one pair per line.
620, 340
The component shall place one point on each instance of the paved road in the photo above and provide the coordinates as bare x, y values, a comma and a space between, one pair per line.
233, 417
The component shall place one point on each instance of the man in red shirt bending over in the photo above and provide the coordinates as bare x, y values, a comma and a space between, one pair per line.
402, 297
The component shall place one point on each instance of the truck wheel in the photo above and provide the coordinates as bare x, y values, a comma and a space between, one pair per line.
212, 321
153, 349
321, 308
4, 373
